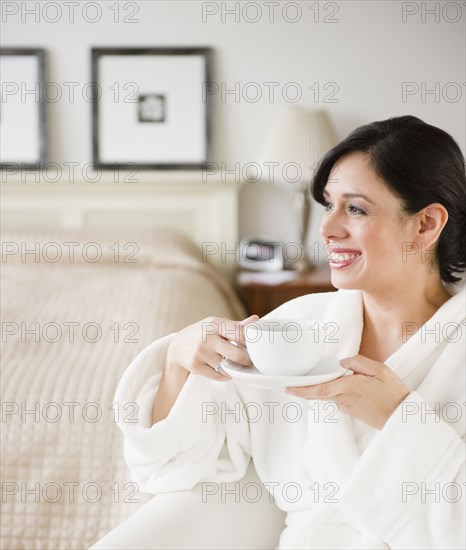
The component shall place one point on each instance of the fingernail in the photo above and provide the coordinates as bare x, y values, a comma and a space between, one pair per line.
249, 318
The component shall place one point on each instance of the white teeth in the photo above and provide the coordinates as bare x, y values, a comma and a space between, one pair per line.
342, 257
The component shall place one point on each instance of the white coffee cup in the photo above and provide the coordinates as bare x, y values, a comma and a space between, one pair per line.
281, 347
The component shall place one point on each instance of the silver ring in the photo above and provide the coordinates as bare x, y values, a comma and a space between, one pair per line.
218, 368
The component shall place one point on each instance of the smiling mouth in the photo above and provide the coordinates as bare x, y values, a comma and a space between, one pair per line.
339, 261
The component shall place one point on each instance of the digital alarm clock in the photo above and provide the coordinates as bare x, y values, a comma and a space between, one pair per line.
260, 254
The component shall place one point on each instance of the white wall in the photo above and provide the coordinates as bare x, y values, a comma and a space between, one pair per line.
368, 51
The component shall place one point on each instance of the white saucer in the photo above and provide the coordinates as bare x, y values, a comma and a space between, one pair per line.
327, 369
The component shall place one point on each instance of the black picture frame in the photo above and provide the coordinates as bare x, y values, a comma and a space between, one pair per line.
155, 120
40, 124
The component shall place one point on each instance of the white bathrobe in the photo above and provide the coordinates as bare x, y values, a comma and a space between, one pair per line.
342, 483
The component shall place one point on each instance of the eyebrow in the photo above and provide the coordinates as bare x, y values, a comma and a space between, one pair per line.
349, 196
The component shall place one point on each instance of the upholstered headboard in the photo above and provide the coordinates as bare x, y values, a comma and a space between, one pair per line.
206, 211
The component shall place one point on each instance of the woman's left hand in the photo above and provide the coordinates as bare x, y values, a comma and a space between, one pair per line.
371, 394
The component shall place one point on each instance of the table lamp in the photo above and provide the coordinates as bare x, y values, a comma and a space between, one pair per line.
297, 141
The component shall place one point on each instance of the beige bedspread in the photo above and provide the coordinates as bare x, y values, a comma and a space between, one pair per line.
69, 329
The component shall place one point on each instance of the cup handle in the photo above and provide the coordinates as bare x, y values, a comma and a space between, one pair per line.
238, 345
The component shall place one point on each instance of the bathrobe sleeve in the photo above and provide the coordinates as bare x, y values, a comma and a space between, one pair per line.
408, 487
206, 436
200, 439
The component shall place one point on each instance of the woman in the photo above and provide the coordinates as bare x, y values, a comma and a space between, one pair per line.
377, 458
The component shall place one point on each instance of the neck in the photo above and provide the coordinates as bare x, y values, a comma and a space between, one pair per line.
412, 302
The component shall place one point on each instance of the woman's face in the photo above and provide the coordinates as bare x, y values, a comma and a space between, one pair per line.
367, 235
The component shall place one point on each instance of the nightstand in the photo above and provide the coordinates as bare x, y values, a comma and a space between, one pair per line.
263, 291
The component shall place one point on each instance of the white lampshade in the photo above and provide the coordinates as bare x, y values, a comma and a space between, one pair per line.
300, 136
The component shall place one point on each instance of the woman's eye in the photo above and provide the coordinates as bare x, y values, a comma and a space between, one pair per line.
351, 208
355, 209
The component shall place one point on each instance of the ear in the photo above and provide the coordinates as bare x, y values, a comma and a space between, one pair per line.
431, 221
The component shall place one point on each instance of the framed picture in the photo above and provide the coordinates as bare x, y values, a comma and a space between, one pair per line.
150, 107
22, 108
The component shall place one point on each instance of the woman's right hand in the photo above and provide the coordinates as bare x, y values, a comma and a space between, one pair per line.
200, 347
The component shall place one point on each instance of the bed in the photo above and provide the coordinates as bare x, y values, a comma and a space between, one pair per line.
74, 316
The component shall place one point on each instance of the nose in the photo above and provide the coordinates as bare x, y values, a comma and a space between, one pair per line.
332, 226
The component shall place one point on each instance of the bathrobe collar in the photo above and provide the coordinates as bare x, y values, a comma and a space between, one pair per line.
334, 444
